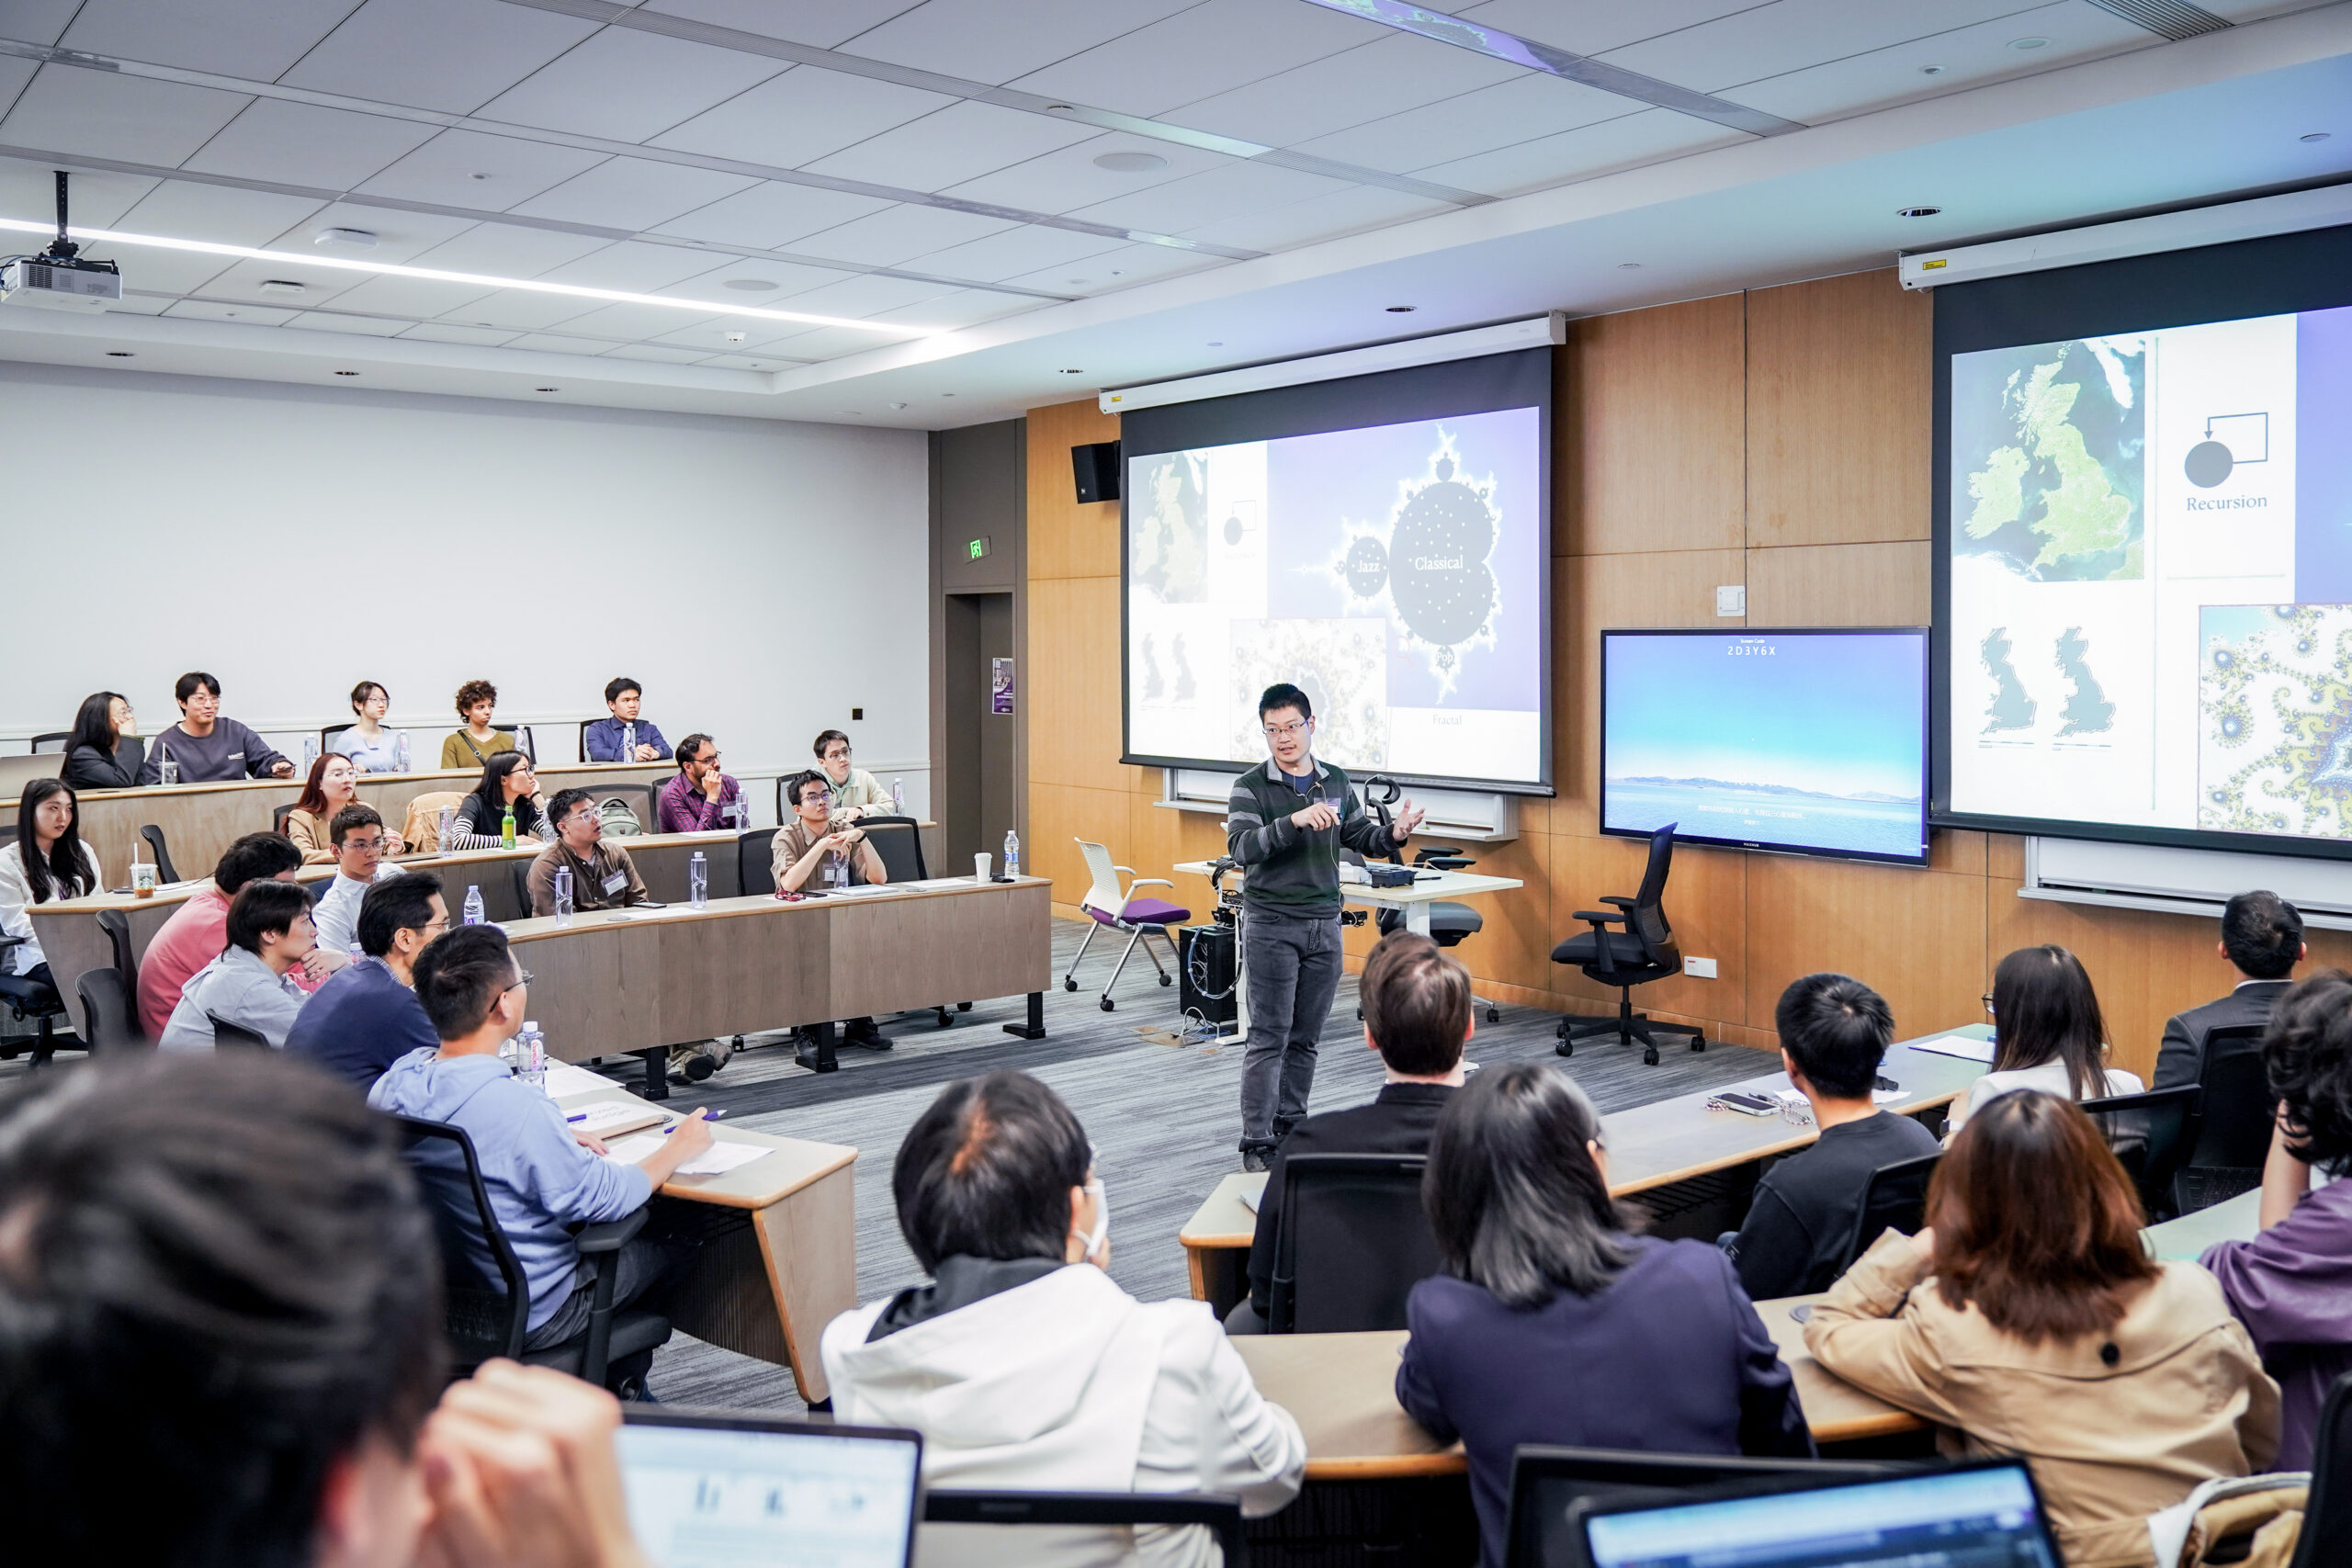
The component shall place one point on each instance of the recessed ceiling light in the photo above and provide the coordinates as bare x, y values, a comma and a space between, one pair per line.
1629, 267
280, 286
2315, 136
851, 412
1073, 372
1401, 310
1216, 345
482, 176
749, 285
1078, 281
346, 372
2027, 44
356, 239
1060, 108
1916, 211
1932, 70
897, 405
547, 389
1130, 162
121, 354
946, 394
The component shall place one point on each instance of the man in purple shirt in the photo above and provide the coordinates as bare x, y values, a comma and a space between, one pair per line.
701, 797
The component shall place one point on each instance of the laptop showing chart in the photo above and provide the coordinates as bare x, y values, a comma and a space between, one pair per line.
1975, 1516
720, 1489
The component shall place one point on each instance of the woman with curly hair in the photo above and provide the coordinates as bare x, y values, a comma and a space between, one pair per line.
477, 742
2292, 1285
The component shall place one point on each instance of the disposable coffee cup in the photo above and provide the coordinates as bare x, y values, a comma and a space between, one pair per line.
980, 867
142, 879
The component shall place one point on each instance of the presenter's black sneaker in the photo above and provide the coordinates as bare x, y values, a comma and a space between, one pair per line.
1255, 1161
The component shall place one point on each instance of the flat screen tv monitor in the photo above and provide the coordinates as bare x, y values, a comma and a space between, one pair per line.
2144, 549
1809, 742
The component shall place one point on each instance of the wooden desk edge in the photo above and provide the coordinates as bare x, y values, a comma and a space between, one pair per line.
1451, 1462
685, 1187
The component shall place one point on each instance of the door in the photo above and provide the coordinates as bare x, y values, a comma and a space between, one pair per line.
980, 798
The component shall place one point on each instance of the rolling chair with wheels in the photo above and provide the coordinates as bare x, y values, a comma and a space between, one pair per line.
521, 872
2230, 1137
1121, 910
278, 816
30, 1001
1450, 919
110, 1016
52, 740
1645, 951
2150, 1134
155, 837
1896, 1198
487, 1318
1352, 1242
116, 925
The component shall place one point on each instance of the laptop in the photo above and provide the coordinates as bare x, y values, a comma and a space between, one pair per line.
1981, 1516
1546, 1482
724, 1489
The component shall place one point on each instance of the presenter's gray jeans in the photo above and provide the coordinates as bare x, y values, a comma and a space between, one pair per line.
1294, 969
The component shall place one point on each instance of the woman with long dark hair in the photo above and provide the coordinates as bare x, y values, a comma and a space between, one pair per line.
1553, 1322
47, 861
104, 750
507, 781
2047, 1034
2028, 1316
333, 784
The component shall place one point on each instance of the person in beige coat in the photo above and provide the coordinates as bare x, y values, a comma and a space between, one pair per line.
2027, 1318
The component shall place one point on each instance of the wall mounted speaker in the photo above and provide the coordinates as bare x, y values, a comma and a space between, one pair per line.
1097, 468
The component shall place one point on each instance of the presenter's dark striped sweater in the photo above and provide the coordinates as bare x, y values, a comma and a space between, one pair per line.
1292, 871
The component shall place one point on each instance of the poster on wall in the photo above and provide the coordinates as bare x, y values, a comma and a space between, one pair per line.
999, 685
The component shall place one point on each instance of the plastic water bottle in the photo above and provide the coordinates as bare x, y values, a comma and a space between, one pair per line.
449, 828
473, 904
399, 751
534, 1057
506, 828
836, 871
1012, 853
898, 797
310, 751
563, 895
698, 880
169, 768
628, 743
738, 816
356, 952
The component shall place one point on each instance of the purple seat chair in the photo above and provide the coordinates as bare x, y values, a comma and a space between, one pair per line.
1121, 910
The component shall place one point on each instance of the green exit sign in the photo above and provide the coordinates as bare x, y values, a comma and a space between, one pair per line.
979, 547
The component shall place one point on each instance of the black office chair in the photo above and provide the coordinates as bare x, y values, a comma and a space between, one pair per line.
116, 925
110, 1019
155, 837
2326, 1538
1547, 1483
2230, 1139
30, 1001
2149, 1133
1645, 951
52, 740
225, 1034
487, 1318
1450, 919
521, 872
754, 852
278, 816
1351, 1243
1217, 1514
899, 843
1896, 1198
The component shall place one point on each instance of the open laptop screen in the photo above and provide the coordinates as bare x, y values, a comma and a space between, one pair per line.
713, 1490
1984, 1516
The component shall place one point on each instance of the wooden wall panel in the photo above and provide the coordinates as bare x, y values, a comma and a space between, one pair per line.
1060, 815
1840, 585
1838, 411
1074, 655
1064, 538
1647, 431
1917, 937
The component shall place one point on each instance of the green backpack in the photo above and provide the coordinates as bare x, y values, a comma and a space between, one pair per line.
619, 821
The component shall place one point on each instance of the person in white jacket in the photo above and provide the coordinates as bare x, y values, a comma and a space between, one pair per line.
1024, 1367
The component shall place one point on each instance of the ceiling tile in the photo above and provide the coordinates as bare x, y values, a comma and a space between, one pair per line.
223, 215
14, 75
1970, 57
1114, 270
628, 324
37, 21
1229, 192
823, 23
771, 216
1069, 177
1386, 76
1788, 35
100, 198
414, 298
443, 170
153, 271
631, 264
1648, 136
971, 39
961, 141
436, 54
789, 279
629, 85
1024, 249
654, 354
858, 297
632, 193
1349, 211
242, 280
1589, 29
1209, 49
443, 331
801, 115
831, 343
399, 235
100, 115
501, 250
139, 304
244, 315
355, 326
518, 309
552, 343
706, 338
965, 308
303, 144
745, 361
256, 39
1500, 116
891, 236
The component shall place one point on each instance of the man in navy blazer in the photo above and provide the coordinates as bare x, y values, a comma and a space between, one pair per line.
2262, 936
1417, 1015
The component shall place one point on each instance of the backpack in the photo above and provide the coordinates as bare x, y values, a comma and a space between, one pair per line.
619, 821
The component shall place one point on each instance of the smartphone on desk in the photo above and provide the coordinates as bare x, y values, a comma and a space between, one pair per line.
1746, 1103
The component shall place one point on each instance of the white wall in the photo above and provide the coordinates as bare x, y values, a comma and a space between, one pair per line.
762, 578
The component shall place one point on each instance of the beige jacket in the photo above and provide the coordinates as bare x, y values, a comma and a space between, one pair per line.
2185, 1399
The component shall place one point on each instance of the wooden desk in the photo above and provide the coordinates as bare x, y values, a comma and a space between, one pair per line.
767, 1291
1649, 1146
2185, 1239
1341, 1388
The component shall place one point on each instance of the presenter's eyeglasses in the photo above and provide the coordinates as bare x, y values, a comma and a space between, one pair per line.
1284, 731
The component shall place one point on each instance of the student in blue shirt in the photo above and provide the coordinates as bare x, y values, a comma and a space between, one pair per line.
543, 1182
366, 1017
626, 737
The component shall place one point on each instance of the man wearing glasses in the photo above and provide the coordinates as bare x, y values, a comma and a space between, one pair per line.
366, 1017
601, 874
701, 797
357, 835
854, 791
1286, 821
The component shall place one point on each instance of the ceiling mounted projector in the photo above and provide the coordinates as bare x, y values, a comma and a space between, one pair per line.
60, 278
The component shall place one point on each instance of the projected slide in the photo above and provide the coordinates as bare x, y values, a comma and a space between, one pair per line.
1815, 741
1394, 573
2150, 615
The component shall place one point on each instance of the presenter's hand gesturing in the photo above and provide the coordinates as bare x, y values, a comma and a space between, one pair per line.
1315, 817
1408, 820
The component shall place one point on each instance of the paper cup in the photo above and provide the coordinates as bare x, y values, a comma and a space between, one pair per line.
980, 867
142, 879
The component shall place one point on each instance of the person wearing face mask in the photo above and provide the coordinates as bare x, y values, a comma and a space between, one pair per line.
1024, 1366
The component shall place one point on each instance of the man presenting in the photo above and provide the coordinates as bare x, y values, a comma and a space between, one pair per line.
1285, 822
